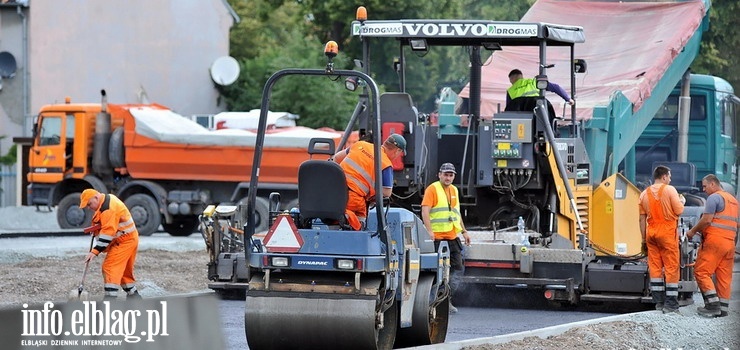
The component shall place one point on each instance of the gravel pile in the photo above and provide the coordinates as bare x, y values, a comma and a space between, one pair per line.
644, 330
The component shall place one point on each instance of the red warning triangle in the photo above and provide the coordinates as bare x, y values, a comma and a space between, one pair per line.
283, 236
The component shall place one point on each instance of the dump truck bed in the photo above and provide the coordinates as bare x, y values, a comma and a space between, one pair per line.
161, 144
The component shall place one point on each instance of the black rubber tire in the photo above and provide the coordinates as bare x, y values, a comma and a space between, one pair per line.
424, 329
69, 213
116, 152
386, 336
145, 211
181, 227
261, 212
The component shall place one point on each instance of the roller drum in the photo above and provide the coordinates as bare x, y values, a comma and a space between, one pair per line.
318, 322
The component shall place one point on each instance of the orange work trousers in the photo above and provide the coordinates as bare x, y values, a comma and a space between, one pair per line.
357, 205
118, 266
716, 257
663, 253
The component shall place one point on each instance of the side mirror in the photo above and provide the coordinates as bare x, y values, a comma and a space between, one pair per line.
35, 128
579, 65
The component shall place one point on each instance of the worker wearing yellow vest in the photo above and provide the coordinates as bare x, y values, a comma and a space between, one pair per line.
718, 226
521, 87
440, 211
117, 237
358, 165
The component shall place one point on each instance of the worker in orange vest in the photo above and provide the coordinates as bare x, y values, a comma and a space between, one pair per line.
358, 163
118, 238
718, 226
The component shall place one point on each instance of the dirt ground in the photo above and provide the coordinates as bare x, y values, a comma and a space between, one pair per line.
158, 272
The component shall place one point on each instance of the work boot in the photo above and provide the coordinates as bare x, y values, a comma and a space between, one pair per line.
671, 305
659, 299
133, 296
710, 310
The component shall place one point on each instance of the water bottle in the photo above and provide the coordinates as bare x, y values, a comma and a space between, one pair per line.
520, 225
522, 233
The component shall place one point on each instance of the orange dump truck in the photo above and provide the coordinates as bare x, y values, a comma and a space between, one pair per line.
165, 167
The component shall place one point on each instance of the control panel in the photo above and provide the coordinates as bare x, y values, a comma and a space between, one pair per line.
511, 144
506, 147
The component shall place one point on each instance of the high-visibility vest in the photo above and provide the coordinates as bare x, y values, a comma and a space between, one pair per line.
724, 223
115, 221
523, 87
444, 216
358, 166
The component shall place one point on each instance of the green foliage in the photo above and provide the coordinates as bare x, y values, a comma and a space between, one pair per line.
720, 45
425, 76
278, 37
11, 157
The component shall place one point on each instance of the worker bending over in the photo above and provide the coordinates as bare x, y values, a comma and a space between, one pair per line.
358, 163
118, 238
521, 87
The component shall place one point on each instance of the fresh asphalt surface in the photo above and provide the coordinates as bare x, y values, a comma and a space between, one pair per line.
468, 323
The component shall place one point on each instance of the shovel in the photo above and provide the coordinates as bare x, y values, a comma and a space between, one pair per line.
80, 293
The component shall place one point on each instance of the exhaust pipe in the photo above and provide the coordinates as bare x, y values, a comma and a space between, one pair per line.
684, 107
100, 160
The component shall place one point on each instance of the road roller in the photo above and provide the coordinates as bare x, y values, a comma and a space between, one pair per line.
316, 283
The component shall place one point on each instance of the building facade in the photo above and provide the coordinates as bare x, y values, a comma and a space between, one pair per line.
137, 50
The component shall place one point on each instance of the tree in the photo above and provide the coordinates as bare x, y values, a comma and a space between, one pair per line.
11, 157
719, 47
279, 35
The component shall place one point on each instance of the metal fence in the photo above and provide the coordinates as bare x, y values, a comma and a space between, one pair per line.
7, 185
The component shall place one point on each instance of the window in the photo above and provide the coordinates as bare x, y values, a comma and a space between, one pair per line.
70, 128
728, 119
669, 110
51, 129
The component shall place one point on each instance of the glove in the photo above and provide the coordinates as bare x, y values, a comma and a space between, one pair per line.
643, 248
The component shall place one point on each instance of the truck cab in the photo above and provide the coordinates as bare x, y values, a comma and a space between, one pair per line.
712, 133
55, 156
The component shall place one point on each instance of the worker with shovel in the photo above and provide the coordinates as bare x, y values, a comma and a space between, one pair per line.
117, 237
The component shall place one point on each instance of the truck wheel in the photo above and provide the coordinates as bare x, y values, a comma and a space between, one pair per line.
261, 214
145, 212
69, 214
181, 227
